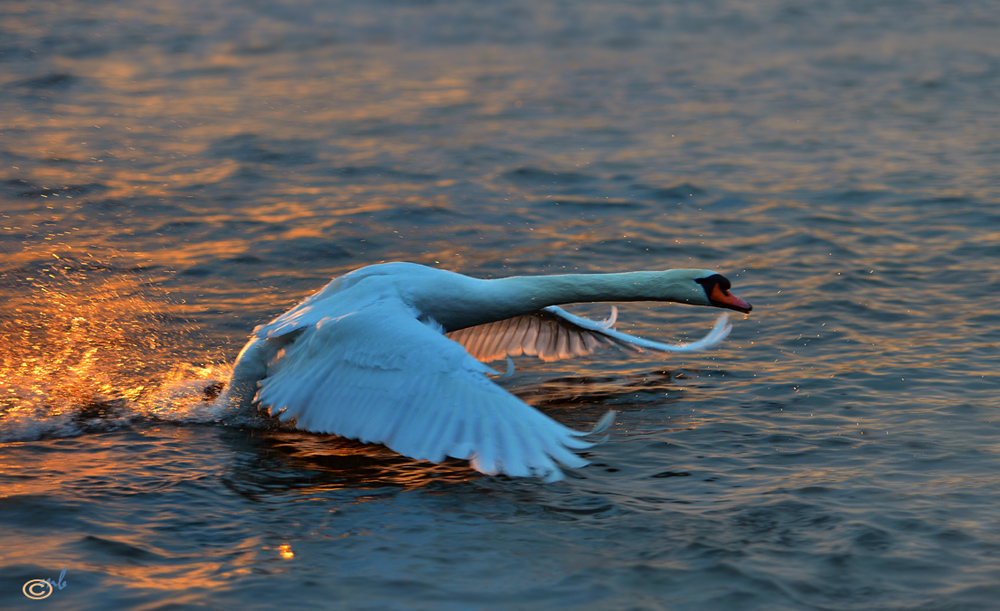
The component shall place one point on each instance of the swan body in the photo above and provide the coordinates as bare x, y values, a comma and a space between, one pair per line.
395, 354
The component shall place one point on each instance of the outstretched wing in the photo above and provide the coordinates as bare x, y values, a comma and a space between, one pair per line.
381, 376
552, 334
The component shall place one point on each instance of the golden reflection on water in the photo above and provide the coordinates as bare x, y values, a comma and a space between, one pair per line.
78, 330
309, 464
149, 537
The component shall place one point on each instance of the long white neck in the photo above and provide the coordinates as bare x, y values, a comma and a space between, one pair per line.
482, 301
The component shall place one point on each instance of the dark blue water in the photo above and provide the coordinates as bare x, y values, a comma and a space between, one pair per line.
174, 173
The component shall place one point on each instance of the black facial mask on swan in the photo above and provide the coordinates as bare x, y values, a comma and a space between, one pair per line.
717, 288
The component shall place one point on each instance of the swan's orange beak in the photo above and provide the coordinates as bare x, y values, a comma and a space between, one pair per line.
722, 298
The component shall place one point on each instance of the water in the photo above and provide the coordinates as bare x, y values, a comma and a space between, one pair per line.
172, 174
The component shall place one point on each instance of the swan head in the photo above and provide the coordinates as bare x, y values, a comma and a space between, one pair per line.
714, 291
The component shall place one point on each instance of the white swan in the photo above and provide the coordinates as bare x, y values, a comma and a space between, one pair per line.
388, 354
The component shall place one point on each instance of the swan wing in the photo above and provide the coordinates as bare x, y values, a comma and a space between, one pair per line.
379, 375
552, 334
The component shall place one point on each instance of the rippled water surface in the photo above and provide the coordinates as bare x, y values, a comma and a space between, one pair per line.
174, 173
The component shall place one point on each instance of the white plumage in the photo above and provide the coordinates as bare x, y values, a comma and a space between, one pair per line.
394, 354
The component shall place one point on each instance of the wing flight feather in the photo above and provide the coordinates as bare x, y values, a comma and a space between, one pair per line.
379, 375
552, 334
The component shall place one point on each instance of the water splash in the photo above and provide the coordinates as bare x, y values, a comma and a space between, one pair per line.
91, 342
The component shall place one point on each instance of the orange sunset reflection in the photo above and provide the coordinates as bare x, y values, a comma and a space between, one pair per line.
79, 330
